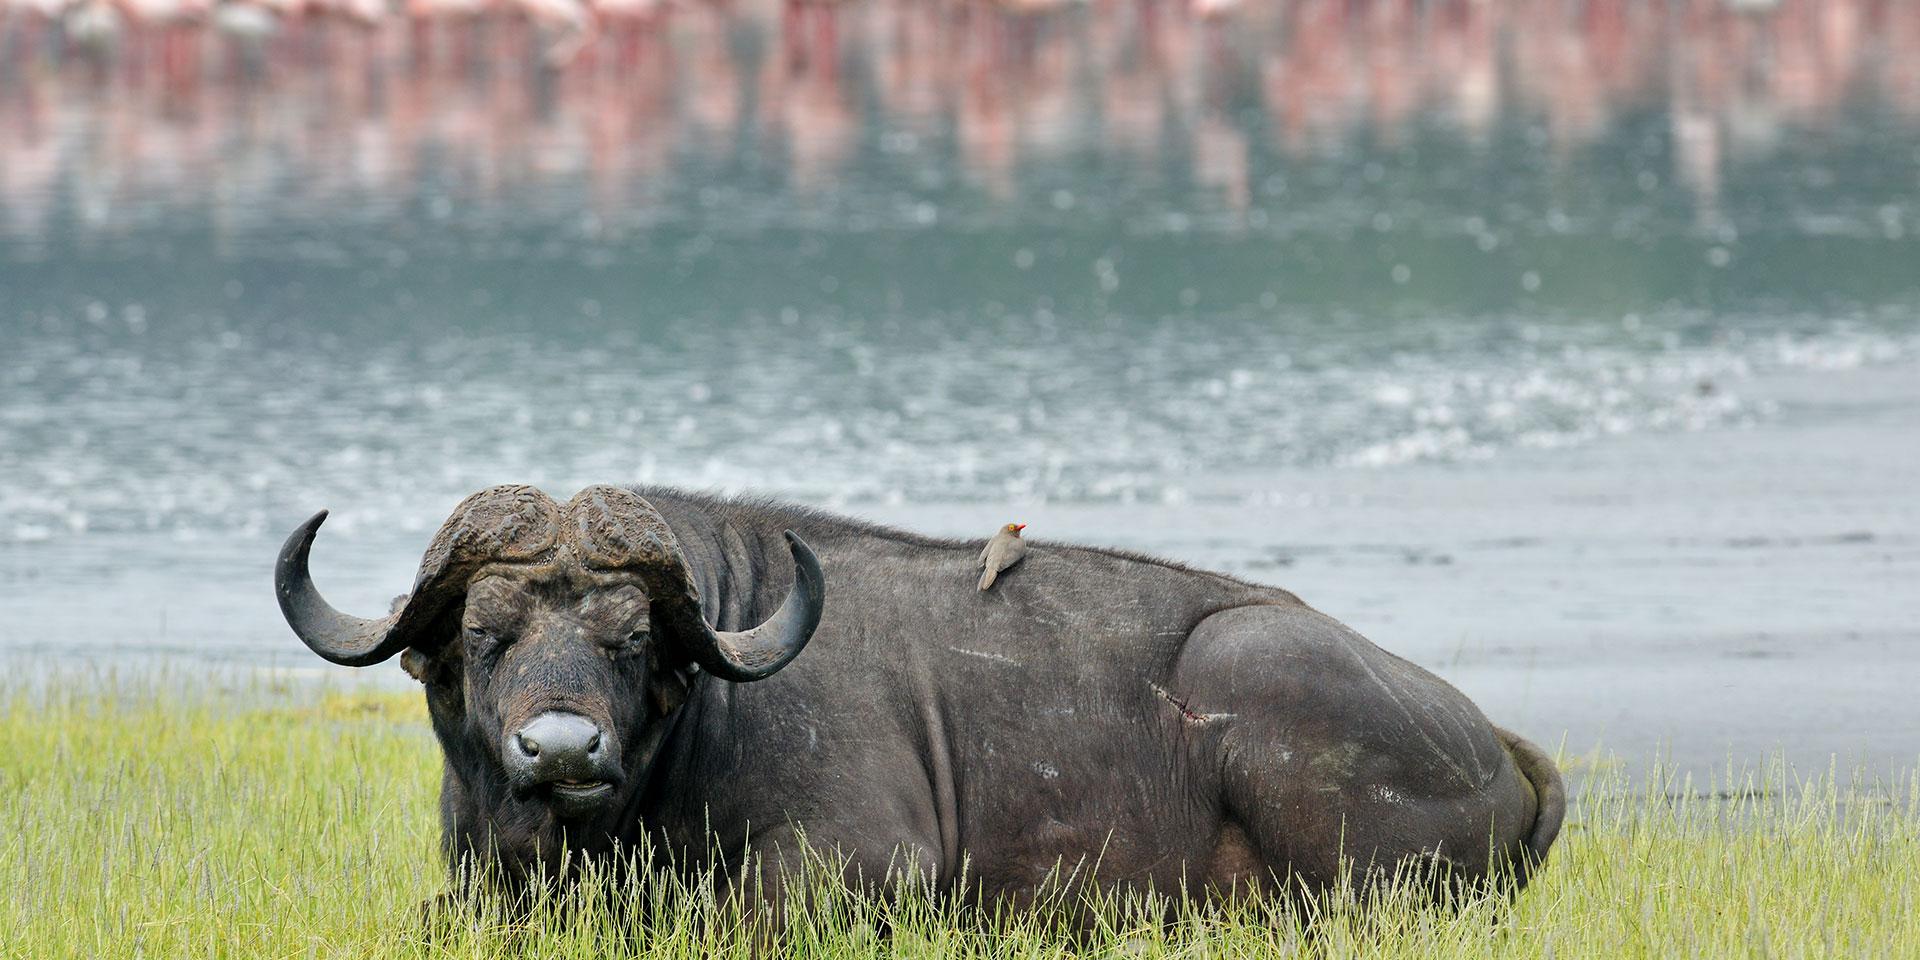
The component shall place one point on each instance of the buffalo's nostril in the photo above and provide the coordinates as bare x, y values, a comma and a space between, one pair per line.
558, 746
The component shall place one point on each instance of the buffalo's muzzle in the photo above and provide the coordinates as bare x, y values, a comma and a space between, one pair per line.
566, 757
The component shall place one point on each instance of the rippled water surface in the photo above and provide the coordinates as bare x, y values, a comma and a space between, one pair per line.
894, 255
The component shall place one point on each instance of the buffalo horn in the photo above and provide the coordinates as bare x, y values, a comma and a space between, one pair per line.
757, 652
344, 639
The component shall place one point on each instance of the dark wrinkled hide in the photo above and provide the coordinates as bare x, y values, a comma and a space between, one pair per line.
1177, 725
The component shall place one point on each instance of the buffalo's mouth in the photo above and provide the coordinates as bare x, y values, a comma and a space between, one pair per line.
580, 788
577, 798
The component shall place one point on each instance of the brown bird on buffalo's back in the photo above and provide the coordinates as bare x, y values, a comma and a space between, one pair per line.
1003, 551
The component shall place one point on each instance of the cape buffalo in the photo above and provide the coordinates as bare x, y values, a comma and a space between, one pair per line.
626, 666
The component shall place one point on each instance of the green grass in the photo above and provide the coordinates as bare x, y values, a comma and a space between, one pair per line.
137, 819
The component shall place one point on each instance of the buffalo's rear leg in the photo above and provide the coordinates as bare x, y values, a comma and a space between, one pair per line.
1340, 763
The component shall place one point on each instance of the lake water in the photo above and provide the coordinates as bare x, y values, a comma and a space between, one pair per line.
1339, 296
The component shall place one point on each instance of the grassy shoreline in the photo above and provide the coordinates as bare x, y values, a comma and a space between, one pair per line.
147, 820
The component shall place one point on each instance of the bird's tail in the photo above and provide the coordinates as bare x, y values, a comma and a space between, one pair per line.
987, 577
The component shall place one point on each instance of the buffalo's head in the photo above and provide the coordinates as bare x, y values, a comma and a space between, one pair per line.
554, 641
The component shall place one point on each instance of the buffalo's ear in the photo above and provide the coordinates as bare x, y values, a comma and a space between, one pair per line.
431, 663
417, 665
669, 685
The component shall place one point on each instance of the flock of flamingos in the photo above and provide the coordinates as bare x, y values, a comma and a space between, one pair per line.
566, 27
177, 34
106, 99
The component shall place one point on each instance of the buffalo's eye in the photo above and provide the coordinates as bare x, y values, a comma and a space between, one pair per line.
625, 644
481, 637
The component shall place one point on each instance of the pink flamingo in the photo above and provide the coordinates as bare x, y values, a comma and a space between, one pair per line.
177, 22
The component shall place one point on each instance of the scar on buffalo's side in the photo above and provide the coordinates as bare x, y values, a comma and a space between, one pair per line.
1187, 713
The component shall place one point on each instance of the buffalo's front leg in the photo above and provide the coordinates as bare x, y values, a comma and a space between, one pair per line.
792, 873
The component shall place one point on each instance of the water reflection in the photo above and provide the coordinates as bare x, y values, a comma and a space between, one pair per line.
257, 109
1112, 251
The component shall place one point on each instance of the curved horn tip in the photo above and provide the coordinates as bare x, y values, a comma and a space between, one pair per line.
796, 544
298, 544
306, 530
806, 564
